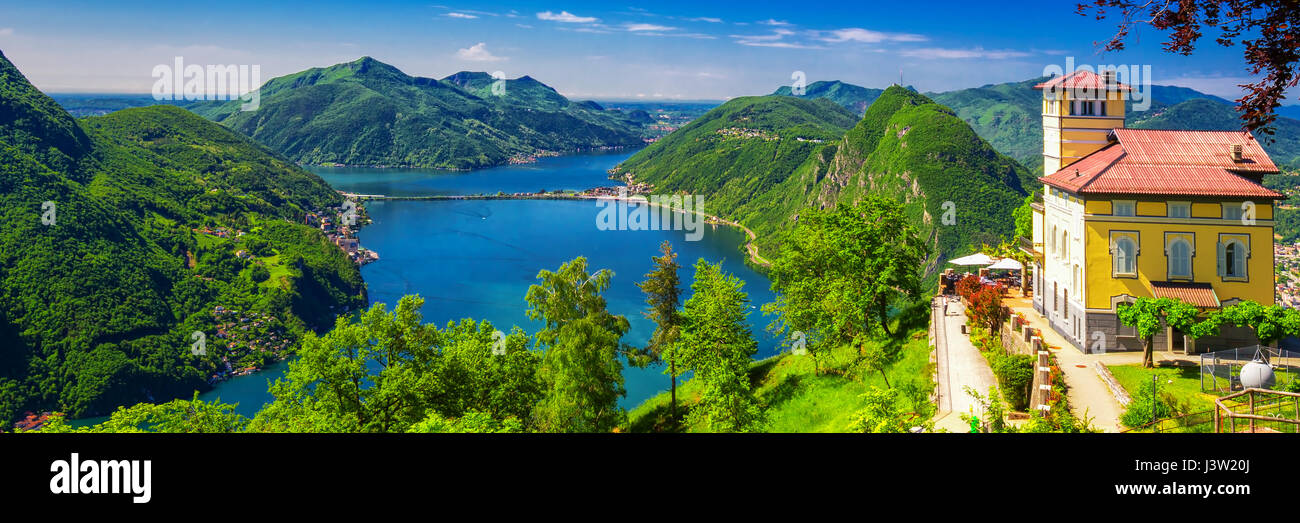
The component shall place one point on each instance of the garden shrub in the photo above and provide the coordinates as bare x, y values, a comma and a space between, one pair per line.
1149, 405
1015, 375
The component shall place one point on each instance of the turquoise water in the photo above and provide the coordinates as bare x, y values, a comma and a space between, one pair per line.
476, 259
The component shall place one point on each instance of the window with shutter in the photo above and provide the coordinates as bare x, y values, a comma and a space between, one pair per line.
1125, 256
1180, 259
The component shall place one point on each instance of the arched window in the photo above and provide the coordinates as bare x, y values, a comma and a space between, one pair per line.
1065, 245
1051, 242
1234, 259
1180, 259
1125, 256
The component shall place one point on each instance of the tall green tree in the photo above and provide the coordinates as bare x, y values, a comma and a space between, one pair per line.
717, 345
663, 300
1024, 216
837, 276
360, 377
1149, 315
581, 369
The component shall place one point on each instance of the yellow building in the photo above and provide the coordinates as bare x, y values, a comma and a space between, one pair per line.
1136, 213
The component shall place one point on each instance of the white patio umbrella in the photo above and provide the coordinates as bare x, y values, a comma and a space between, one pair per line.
1007, 264
978, 258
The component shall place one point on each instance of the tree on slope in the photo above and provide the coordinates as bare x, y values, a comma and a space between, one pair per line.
663, 298
717, 345
841, 270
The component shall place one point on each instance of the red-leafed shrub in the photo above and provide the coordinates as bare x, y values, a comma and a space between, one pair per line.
986, 307
968, 286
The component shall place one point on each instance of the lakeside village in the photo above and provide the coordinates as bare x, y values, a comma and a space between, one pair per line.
340, 227
256, 339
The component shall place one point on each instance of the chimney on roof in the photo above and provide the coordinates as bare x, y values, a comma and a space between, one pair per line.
1237, 154
1108, 78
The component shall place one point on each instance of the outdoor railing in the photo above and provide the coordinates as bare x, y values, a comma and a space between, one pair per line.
1258, 410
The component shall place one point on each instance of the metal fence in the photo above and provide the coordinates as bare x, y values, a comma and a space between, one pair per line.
1221, 370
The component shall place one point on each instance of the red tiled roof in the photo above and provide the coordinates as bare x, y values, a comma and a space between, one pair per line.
1082, 80
1198, 294
1173, 163
1195, 148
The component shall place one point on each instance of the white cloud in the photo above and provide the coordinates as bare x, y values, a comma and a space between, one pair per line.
698, 36
773, 21
477, 53
708, 19
648, 27
566, 17
6, 31
776, 39
857, 34
940, 53
461, 15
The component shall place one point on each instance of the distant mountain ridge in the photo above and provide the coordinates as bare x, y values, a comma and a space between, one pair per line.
370, 113
1009, 115
852, 97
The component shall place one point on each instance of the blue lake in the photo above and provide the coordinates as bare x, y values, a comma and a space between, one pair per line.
552, 174
476, 259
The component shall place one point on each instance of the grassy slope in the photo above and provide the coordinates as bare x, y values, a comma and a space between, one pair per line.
795, 399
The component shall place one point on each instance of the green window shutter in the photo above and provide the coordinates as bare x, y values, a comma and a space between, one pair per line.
1221, 263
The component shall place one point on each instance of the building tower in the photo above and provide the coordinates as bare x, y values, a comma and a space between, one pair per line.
1079, 111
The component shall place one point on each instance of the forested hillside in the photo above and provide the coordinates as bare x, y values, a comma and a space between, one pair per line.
905, 148
369, 113
741, 150
104, 273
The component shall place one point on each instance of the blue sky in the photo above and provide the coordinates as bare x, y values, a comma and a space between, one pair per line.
605, 50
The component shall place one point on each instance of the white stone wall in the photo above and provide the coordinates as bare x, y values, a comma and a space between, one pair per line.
1064, 251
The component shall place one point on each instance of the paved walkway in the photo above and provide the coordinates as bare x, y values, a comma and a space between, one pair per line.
958, 365
1089, 395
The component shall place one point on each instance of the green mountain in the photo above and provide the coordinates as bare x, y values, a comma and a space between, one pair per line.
852, 97
740, 150
103, 278
369, 113
906, 147
1009, 115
